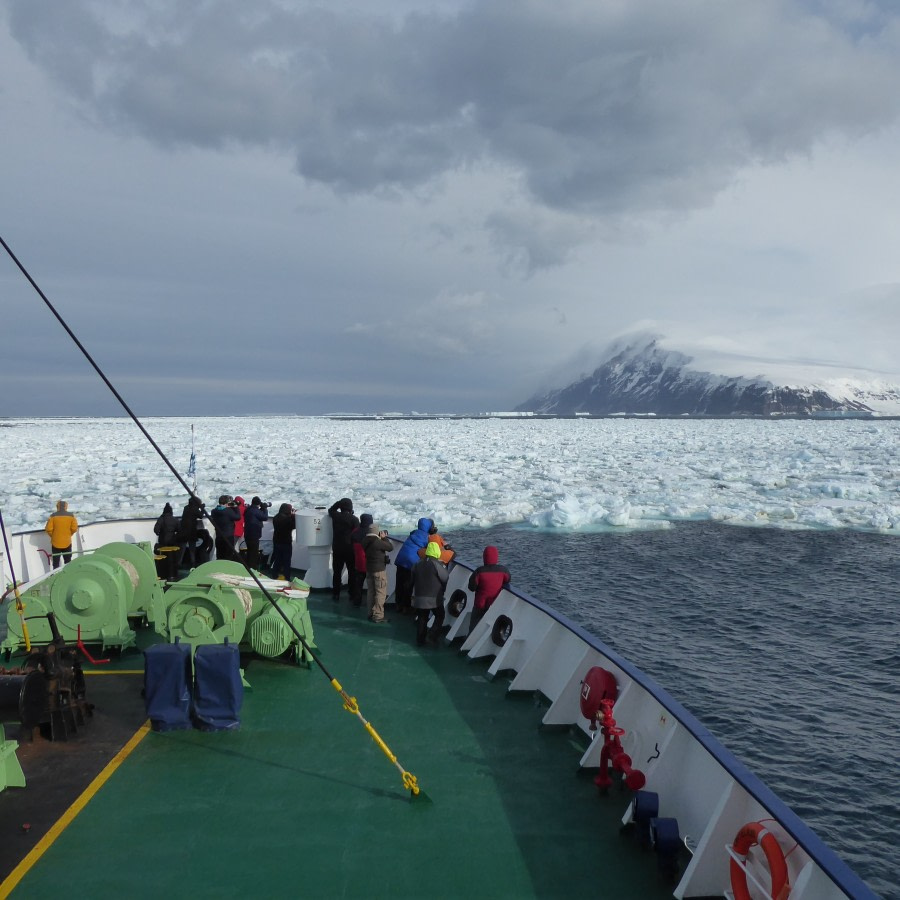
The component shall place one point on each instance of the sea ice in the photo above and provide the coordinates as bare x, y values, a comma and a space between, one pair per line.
564, 474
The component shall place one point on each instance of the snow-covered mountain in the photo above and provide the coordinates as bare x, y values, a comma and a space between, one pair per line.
639, 374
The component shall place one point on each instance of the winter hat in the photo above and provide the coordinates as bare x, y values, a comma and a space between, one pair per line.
433, 550
365, 520
346, 505
167, 509
256, 502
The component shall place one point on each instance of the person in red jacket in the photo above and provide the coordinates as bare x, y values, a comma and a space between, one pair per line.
487, 581
358, 572
241, 506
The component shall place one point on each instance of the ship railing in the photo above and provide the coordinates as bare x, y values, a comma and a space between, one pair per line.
30, 550
700, 783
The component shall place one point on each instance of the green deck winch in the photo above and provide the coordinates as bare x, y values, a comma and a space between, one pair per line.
270, 635
219, 600
91, 597
198, 614
138, 561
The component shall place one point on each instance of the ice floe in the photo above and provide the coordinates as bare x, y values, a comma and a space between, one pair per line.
562, 474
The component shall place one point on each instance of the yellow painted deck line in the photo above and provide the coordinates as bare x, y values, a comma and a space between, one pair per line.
113, 672
44, 844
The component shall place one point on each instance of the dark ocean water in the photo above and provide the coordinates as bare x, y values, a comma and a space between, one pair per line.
785, 644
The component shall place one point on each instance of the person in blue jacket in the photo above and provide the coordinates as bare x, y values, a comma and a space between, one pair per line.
406, 558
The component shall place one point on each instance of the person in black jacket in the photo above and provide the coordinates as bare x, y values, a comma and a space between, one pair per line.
254, 516
283, 525
166, 529
191, 530
343, 524
224, 517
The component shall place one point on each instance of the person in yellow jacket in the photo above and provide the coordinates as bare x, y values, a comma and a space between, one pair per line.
61, 526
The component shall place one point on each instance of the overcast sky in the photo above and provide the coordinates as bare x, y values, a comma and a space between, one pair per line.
391, 205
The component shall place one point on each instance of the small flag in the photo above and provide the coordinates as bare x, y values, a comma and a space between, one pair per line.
192, 466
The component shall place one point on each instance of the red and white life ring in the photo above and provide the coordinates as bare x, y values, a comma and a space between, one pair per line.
756, 833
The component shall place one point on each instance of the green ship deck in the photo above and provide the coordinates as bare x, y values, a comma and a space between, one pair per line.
301, 802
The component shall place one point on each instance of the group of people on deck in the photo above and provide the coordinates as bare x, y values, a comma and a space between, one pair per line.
359, 547
237, 525
362, 548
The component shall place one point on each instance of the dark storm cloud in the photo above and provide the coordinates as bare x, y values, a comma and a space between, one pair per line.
600, 109
150, 152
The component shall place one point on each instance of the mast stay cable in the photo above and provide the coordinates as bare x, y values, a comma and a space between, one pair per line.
410, 781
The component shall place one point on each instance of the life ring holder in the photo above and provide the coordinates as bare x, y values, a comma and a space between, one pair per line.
503, 628
457, 602
748, 836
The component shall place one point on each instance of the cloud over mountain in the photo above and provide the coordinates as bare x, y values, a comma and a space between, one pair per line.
641, 374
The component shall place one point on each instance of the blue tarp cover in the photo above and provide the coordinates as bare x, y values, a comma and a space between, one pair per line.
167, 686
218, 689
